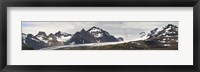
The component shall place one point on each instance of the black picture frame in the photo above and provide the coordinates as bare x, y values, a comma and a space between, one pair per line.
99, 3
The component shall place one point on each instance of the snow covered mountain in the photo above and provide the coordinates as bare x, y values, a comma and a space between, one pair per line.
97, 32
42, 40
167, 36
62, 36
166, 31
42, 36
101, 35
28, 40
92, 35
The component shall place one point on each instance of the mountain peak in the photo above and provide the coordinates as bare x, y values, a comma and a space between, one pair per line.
171, 26
92, 35
41, 34
96, 32
50, 34
41, 31
58, 33
94, 28
160, 31
23, 34
168, 30
167, 35
83, 30
30, 35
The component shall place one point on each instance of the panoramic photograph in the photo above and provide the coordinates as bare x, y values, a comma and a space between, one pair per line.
99, 35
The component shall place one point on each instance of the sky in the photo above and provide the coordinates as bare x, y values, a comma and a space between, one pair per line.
129, 30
